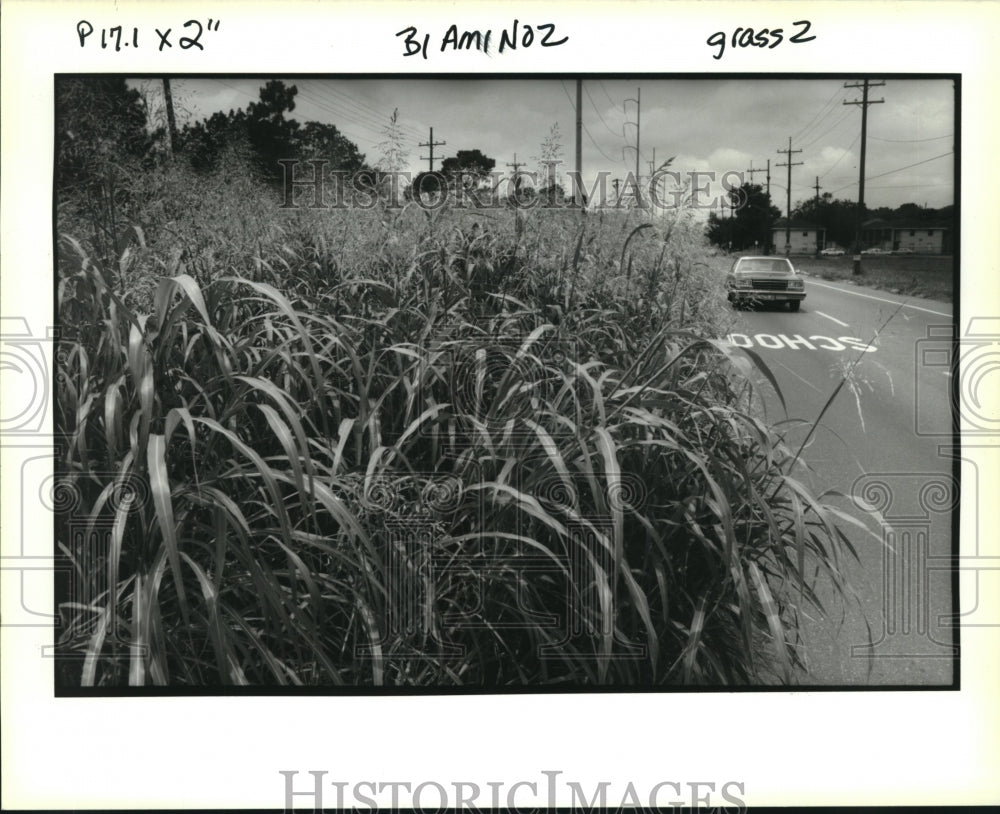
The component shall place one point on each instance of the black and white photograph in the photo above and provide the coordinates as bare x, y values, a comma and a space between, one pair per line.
355, 398
613, 386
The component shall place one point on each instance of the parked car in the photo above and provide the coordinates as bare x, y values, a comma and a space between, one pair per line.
874, 250
903, 251
833, 252
754, 280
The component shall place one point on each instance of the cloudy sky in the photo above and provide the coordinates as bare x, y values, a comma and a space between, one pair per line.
705, 124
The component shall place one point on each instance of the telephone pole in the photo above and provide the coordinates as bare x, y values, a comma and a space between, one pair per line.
753, 171
638, 121
767, 215
815, 186
515, 164
432, 144
638, 129
578, 192
652, 173
168, 99
865, 85
788, 205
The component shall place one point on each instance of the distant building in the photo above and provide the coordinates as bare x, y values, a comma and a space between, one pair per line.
805, 237
920, 238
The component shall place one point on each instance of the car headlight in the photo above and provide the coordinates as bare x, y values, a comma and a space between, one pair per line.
796, 285
738, 283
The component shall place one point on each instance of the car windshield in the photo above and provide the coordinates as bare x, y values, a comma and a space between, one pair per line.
763, 264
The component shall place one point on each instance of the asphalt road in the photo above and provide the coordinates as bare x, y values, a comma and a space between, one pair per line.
884, 439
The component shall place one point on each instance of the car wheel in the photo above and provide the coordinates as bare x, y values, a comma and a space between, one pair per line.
793, 306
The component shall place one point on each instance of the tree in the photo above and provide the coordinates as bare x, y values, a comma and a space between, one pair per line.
268, 136
99, 121
271, 135
750, 222
837, 217
204, 142
469, 165
426, 183
325, 141
103, 143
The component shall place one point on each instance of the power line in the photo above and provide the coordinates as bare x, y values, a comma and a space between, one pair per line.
911, 140
898, 169
362, 108
615, 106
585, 130
345, 131
369, 123
341, 116
846, 152
805, 129
829, 130
598, 112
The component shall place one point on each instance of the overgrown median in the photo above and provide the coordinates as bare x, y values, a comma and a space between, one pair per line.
396, 447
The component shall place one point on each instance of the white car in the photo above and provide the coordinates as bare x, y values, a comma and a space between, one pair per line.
874, 250
833, 252
754, 280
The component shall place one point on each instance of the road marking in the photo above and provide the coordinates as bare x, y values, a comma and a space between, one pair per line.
832, 319
798, 342
880, 299
797, 376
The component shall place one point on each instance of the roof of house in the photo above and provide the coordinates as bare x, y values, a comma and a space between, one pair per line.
798, 224
919, 226
879, 223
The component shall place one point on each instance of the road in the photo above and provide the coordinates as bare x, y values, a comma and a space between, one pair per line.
885, 438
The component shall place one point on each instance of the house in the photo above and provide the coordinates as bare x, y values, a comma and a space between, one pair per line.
804, 237
919, 237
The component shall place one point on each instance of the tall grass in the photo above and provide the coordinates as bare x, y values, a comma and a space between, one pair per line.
401, 448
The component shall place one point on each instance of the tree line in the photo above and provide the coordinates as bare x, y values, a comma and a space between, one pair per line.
753, 215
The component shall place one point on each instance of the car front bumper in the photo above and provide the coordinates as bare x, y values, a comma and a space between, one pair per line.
765, 296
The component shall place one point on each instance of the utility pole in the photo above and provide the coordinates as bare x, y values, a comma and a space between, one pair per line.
652, 172
815, 186
753, 171
432, 144
861, 181
168, 99
788, 205
767, 215
728, 221
767, 242
638, 121
515, 164
578, 192
638, 129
